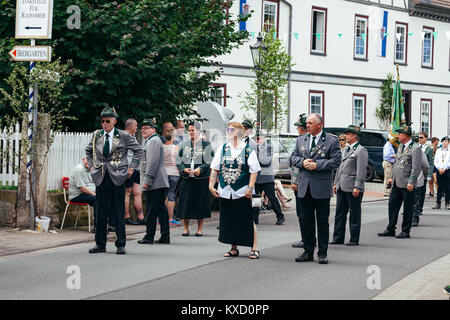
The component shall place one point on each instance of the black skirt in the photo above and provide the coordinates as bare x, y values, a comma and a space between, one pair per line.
236, 222
194, 201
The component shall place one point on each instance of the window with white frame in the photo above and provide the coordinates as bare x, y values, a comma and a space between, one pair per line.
425, 112
427, 47
318, 32
217, 93
316, 102
270, 13
361, 37
401, 32
359, 109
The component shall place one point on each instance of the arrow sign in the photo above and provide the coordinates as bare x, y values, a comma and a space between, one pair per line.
34, 19
31, 53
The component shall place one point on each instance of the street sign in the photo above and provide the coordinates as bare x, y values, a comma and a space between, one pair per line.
34, 19
31, 53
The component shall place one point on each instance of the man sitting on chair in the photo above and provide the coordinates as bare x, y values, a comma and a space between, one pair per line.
81, 186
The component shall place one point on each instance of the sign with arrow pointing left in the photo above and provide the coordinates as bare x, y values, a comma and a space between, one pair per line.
34, 19
31, 53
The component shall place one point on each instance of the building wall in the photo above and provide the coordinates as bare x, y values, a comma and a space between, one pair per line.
337, 73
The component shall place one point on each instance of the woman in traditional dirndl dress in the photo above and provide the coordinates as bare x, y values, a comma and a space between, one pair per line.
236, 165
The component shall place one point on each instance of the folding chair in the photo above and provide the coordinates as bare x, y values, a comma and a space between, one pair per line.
65, 183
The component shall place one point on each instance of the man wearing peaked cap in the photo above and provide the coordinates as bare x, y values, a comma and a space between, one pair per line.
301, 129
106, 156
155, 183
349, 187
405, 174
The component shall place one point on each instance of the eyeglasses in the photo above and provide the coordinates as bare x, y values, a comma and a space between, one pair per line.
145, 128
342, 139
230, 129
421, 137
105, 121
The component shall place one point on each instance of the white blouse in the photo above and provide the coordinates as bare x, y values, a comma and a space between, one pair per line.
252, 162
442, 158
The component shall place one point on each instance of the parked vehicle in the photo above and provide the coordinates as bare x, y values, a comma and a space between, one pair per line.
373, 141
282, 145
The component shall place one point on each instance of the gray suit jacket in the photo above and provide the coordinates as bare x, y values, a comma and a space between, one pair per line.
116, 163
153, 171
424, 171
407, 166
353, 169
327, 155
265, 156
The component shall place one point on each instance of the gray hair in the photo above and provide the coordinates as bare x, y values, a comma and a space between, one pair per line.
317, 116
129, 123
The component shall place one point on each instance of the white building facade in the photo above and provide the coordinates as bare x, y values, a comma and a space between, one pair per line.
342, 51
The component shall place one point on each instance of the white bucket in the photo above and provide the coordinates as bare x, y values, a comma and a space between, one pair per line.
42, 224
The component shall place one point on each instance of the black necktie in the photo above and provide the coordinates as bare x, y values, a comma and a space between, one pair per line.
106, 147
313, 144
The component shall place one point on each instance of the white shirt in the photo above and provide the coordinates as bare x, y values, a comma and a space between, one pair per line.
442, 159
111, 136
252, 162
317, 138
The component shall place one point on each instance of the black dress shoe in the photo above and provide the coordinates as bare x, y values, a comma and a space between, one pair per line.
145, 241
387, 233
121, 250
351, 244
336, 242
403, 235
280, 221
163, 241
141, 222
97, 249
298, 245
323, 260
304, 257
131, 222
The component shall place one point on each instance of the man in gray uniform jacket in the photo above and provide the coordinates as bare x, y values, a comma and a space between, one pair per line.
265, 180
301, 129
406, 171
349, 187
155, 183
316, 155
106, 156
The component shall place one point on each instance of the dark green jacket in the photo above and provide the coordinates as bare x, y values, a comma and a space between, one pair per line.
202, 156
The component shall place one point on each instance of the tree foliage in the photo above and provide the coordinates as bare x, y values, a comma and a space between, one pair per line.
141, 56
272, 74
383, 111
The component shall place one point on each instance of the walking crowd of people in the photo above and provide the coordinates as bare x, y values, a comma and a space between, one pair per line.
180, 176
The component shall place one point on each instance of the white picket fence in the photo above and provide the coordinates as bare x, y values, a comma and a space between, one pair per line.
65, 153
9, 176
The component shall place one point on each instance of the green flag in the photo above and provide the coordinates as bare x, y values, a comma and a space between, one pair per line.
397, 112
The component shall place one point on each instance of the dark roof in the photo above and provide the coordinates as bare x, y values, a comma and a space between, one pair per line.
431, 9
437, 3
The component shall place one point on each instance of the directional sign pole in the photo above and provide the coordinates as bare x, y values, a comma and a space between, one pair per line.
32, 125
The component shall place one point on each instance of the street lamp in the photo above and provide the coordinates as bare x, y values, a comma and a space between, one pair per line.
257, 50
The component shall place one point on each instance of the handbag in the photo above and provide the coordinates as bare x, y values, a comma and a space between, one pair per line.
256, 202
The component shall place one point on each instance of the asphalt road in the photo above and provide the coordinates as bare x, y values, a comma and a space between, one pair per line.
194, 268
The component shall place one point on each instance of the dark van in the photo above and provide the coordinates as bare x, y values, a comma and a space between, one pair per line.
373, 141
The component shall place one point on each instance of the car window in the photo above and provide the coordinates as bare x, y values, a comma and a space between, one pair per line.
372, 139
